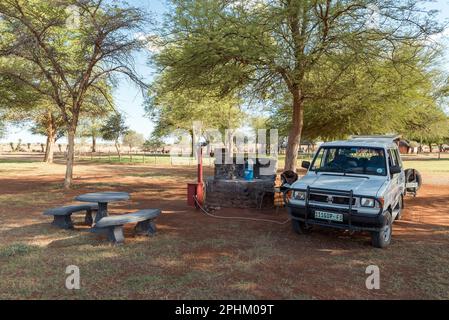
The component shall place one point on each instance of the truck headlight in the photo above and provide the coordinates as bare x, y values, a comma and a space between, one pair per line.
367, 202
299, 195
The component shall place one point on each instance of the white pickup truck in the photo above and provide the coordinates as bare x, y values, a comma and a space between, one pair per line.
356, 185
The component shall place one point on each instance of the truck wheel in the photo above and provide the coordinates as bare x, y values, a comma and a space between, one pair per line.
382, 238
300, 227
400, 208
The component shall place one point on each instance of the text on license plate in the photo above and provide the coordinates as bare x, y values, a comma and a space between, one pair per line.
328, 216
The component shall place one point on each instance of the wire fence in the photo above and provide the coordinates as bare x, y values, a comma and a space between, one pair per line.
139, 158
161, 159
134, 157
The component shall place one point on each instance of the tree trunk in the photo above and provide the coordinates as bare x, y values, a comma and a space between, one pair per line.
230, 143
51, 138
50, 148
192, 144
94, 143
294, 138
117, 147
70, 158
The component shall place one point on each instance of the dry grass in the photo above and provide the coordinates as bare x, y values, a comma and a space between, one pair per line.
195, 257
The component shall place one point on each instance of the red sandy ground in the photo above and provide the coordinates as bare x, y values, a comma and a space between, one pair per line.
238, 259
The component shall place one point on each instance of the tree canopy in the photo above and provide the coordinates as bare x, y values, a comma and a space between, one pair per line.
114, 129
133, 139
178, 109
271, 48
75, 45
378, 102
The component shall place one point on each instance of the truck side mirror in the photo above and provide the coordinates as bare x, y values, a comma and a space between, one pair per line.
395, 169
305, 165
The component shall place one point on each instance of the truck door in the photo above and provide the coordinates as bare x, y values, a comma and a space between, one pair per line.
395, 188
401, 176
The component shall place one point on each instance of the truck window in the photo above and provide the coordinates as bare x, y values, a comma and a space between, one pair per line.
391, 158
357, 160
397, 157
323, 156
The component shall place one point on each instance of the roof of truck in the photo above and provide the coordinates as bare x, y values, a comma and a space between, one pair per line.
365, 141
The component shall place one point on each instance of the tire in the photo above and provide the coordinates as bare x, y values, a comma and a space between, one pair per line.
382, 239
300, 227
413, 175
401, 207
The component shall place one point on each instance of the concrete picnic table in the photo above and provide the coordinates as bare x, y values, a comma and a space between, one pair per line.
103, 198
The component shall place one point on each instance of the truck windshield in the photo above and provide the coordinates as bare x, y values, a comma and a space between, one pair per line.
357, 160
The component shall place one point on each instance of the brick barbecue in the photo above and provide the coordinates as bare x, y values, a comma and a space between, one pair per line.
228, 188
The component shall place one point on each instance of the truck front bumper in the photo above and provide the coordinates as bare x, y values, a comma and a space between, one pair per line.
352, 219
359, 222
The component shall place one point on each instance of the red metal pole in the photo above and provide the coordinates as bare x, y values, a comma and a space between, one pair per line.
200, 165
199, 190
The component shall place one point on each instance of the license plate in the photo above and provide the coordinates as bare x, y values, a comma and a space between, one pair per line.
328, 216
412, 185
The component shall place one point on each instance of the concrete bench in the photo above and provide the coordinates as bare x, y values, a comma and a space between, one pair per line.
62, 216
113, 225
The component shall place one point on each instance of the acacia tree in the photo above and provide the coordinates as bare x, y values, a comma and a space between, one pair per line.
114, 129
426, 124
73, 57
153, 144
266, 47
2, 129
133, 139
177, 109
90, 128
48, 123
20, 104
97, 111
368, 101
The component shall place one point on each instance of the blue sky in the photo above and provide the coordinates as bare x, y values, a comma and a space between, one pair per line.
129, 99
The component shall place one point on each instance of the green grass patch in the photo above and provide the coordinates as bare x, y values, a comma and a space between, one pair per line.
140, 159
16, 249
428, 165
18, 161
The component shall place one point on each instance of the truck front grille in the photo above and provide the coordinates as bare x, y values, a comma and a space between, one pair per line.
330, 199
318, 197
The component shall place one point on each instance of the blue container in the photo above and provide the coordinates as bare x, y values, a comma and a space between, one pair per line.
249, 175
